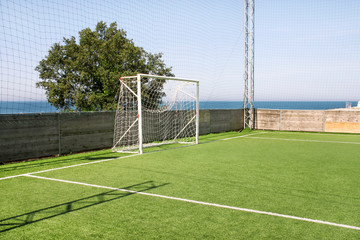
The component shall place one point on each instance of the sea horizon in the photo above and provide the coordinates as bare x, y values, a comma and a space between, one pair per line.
17, 107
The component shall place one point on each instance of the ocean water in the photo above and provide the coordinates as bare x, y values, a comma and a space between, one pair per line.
12, 107
291, 105
44, 107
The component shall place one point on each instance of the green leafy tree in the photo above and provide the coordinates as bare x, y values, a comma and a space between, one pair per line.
84, 75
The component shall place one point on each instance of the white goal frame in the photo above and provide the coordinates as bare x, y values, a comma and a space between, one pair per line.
139, 121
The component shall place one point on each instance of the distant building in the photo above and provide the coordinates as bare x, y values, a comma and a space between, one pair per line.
348, 107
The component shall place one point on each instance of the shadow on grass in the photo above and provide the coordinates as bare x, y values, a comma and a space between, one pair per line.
71, 159
52, 162
209, 138
67, 207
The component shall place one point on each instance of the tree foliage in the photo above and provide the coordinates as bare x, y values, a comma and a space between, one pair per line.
84, 75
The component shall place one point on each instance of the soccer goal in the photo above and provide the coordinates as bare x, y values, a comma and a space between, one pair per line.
154, 110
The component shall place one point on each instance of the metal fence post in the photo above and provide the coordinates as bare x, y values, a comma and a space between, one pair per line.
59, 132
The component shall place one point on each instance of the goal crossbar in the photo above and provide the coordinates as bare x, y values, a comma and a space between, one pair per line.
161, 77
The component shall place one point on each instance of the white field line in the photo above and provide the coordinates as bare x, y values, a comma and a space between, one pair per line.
304, 140
201, 203
99, 161
70, 166
319, 133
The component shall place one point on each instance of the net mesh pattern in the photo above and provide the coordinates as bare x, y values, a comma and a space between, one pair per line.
168, 110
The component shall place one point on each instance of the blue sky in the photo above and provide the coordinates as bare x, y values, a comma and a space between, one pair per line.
304, 50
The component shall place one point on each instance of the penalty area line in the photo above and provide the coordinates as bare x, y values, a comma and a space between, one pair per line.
201, 203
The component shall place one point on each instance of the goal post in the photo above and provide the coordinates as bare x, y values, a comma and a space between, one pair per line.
154, 110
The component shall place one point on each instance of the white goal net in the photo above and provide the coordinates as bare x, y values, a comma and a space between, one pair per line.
154, 110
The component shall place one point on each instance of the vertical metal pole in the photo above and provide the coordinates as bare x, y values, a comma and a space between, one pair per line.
138, 79
246, 64
197, 113
280, 121
249, 65
59, 132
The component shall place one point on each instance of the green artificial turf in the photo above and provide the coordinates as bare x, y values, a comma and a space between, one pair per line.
300, 174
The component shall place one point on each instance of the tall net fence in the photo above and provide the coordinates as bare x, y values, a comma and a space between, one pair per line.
61, 62
198, 39
305, 51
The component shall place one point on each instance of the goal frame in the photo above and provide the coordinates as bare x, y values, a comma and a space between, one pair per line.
138, 94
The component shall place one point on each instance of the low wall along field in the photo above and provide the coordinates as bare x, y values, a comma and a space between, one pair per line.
25, 136
344, 121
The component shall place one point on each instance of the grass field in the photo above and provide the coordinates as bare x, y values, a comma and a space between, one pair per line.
248, 185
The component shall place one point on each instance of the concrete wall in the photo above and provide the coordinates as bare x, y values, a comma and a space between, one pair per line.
24, 136
267, 119
308, 120
215, 121
28, 136
342, 121
86, 131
